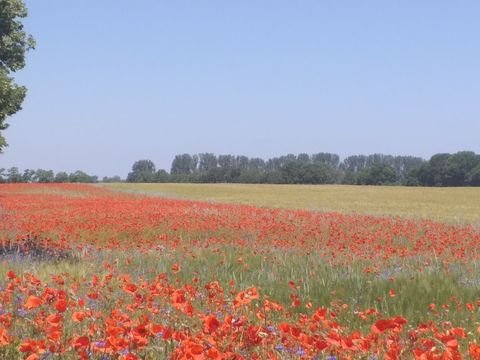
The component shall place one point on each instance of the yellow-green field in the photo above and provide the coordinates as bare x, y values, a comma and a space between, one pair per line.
454, 205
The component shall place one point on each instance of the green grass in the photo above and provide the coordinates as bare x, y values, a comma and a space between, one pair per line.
454, 205
318, 282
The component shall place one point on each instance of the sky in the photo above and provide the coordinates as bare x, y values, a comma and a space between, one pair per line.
115, 81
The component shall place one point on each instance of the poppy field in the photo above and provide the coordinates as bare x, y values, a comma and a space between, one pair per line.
88, 273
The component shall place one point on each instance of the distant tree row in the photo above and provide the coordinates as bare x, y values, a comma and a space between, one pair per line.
459, 169
319, 168
13, 175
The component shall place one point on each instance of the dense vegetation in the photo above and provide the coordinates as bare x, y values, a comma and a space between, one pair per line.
459, 169
14, 43
14, 175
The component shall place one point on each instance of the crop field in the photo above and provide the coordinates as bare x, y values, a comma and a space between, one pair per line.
459, 205
91, 272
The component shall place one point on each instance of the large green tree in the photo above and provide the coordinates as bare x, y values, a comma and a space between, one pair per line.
142, 171
14, 43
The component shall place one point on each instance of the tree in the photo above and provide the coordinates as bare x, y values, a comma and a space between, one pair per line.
458, 168
242, 162
475, 176
61, 177
226, 161
301, 173
274, 177
45, 176
14, 43
377, 174
406, 168
273, 164
29, 176
82, 177
332, 160
184, 164
438, 169
14, 176
286, 159
354, 163
349, 178
207, 162
256, 164
412, 178
161, 176
303, 158
432, 172
142, 171
113, 179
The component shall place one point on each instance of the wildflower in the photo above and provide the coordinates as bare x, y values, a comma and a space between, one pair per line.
33, 302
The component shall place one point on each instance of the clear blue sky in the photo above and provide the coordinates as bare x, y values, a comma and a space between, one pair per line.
112, 82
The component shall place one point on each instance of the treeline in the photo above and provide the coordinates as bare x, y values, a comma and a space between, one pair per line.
459, 169
13, 175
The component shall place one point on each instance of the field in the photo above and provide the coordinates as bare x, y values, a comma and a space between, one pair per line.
454, 205
91, 272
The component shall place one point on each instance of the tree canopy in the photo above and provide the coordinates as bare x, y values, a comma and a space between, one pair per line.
14, 43
458, 169
142, 171
13, 175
